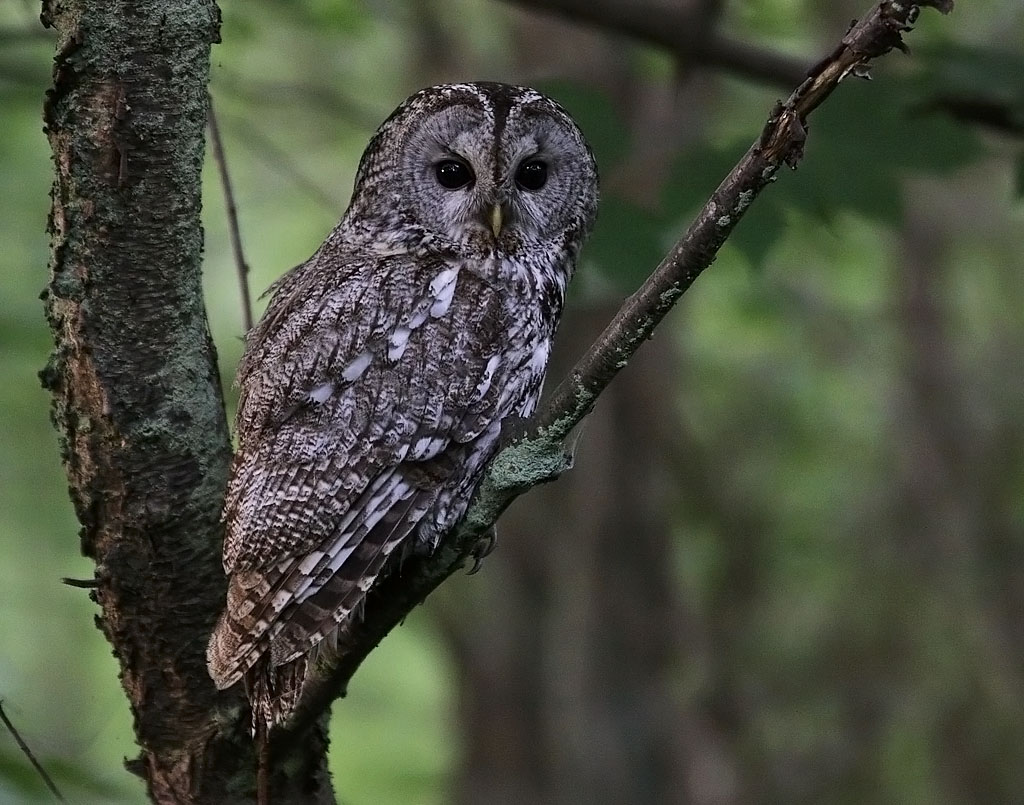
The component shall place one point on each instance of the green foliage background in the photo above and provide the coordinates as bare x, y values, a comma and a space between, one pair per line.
795, 379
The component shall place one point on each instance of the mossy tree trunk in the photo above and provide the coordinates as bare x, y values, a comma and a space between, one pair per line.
137, 398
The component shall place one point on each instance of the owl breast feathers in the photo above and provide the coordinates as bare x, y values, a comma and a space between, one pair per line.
374, 388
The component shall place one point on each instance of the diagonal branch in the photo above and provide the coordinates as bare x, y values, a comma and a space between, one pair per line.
27, 751
540, 456
241, 266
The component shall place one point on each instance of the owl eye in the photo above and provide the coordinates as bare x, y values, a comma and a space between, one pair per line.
453, 173
532, 174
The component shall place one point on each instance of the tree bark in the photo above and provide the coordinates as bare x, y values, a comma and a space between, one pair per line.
137, 399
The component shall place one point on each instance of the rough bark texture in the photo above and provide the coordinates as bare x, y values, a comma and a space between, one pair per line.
137, 398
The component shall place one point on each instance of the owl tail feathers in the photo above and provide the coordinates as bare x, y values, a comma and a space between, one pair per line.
274, 691
225, 648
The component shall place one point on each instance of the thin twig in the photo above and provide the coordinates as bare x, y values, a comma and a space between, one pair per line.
84, 584
262, 764
31, 758
540, 455
229, 203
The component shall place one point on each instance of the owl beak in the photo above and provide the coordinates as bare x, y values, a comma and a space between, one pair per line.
496, 220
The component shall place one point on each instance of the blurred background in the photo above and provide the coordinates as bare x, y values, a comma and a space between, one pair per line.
789, 563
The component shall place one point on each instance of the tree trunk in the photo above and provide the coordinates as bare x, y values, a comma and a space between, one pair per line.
137, 398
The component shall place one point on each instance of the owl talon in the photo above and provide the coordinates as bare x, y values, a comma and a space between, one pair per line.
482, 549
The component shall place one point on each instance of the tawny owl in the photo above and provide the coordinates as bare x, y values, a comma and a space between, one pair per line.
374, 388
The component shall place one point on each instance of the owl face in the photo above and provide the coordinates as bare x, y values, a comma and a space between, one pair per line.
485, 167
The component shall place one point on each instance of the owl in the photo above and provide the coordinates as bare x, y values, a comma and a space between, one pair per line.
374, 388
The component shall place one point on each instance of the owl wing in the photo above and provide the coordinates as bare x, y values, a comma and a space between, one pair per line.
363, 403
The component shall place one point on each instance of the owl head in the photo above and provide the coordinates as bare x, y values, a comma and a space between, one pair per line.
479, 167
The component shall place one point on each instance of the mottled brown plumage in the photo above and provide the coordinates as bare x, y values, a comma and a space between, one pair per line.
374, 387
